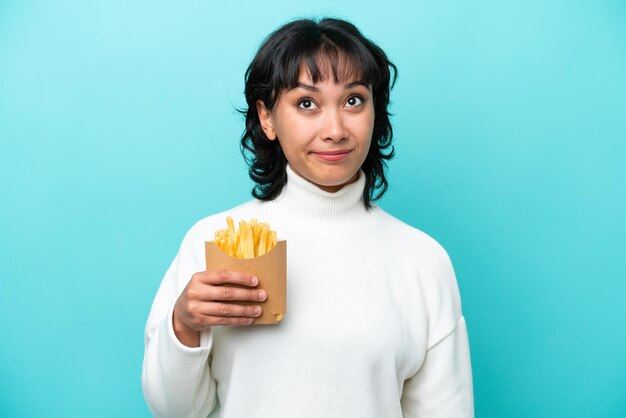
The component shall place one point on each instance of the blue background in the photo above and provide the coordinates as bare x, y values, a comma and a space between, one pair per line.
118, 132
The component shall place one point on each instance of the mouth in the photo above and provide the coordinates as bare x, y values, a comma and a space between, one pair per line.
335, 155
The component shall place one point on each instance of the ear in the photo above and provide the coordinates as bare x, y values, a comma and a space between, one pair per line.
265, 117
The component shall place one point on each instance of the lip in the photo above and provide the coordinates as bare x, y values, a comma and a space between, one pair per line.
335, 155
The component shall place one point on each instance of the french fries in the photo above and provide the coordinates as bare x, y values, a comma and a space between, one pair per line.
252, 239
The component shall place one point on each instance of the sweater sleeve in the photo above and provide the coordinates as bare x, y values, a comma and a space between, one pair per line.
176, 379
442, 387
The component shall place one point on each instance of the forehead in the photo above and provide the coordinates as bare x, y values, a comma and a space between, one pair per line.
305, 80
338, 68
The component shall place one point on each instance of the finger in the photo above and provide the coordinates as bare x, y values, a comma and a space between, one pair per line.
228, 320
209, 293
234, 294
217, 277
231, 309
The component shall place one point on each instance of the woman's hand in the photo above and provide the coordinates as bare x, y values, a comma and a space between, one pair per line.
205, 302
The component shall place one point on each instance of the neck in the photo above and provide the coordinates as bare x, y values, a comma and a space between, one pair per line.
331, 189
319, 208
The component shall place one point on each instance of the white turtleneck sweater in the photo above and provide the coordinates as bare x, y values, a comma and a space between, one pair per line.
373, 325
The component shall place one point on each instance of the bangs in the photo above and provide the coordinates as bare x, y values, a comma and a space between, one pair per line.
326, 59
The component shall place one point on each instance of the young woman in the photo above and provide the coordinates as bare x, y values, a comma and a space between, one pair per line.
374, 325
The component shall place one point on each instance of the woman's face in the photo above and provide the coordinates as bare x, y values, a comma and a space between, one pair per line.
324, 129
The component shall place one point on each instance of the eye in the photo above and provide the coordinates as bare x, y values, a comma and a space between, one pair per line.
306, 103
354, 101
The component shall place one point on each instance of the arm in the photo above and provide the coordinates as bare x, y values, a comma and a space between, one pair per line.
443, 385
176, 376
176, 379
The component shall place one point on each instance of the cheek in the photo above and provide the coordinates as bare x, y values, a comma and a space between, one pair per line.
289, 140
366, 129
286, 125
372, 118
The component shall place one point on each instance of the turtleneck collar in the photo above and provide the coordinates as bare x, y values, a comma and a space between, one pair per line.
305, 200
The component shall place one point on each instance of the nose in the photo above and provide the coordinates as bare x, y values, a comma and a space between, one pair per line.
334, 127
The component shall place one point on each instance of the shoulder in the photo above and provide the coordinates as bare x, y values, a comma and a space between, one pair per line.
411, 239
425, 256
434, 274
190, 257
205, 228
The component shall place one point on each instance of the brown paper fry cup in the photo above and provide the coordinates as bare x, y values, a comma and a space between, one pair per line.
270, 269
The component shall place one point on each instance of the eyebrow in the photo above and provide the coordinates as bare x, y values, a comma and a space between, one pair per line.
316, 90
